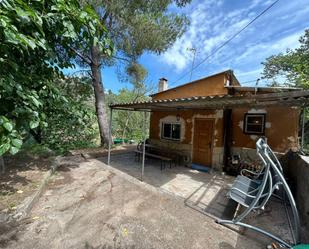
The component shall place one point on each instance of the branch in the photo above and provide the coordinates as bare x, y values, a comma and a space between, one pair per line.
110, 22
90, 74
103, 19
85, 58
80, 72
121, 58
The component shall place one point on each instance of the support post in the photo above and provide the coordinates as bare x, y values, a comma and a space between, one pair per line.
227, 126
110, 136
144, 138
303, 129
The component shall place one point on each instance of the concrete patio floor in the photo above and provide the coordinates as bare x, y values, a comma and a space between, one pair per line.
200, 190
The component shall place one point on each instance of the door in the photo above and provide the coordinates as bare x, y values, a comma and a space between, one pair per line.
202, 141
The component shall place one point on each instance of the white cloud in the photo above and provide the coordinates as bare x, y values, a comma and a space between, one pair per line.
240, 73
263, 3
213, 22
262, 50
210, 27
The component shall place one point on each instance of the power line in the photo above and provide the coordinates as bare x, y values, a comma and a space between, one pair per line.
226, 42
249, 81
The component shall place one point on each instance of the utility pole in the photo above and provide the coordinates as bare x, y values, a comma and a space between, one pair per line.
193, 50
256, 85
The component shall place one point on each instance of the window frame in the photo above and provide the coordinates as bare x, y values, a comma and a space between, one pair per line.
245, 130
171, 131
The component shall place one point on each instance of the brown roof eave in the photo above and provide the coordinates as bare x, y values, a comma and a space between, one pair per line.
294, 98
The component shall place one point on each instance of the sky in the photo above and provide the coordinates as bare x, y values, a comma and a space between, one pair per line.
212, 22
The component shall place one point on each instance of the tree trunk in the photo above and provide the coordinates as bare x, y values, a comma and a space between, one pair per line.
99, 96
2, 165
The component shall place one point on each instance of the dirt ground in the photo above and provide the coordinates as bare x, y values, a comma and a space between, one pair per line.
25, 172
21, 179
89, 205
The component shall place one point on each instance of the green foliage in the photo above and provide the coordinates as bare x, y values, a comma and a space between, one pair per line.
140, 26
292, 66
136, 75
38, 40
36, 149
127, 124
71, 123
10, 139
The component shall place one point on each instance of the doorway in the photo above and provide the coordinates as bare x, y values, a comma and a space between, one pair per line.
202, 141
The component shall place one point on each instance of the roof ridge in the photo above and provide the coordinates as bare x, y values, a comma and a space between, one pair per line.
194, 81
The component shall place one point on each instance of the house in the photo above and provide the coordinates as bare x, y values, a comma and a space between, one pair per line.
211, 119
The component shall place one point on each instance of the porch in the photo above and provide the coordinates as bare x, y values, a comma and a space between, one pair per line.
216, 147
206, 192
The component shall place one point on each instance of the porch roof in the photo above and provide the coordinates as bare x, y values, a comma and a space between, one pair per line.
291, 98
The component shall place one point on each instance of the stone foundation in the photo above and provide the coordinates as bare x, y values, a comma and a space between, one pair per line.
296, 169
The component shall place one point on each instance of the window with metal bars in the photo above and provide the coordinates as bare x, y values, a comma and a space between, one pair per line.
171, 131
254, 123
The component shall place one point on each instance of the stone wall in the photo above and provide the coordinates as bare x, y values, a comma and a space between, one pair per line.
296, 169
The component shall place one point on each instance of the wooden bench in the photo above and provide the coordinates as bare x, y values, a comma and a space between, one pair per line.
163, 159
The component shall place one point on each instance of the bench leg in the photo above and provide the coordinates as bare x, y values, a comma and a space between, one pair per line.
170, 164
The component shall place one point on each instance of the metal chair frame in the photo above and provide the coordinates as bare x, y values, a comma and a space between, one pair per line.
258, 191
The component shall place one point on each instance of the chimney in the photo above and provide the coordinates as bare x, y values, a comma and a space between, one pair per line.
162, 85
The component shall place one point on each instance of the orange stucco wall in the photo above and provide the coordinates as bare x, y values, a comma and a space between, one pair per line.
188, 118
281, 126
205, 87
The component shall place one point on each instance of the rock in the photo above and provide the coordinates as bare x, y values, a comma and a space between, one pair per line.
3, 217
86, 156
17, 215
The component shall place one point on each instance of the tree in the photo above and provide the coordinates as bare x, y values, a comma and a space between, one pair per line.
127, 121
72, 123
135, 27
292, 66
37, 38
127, 124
